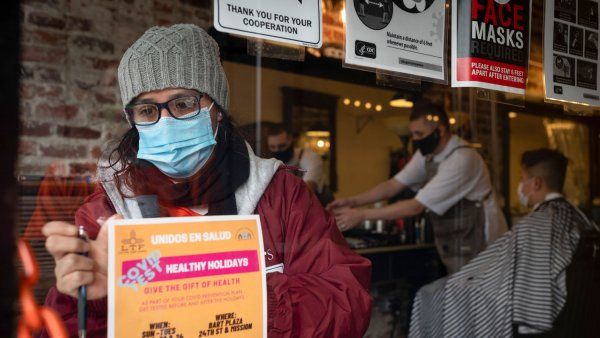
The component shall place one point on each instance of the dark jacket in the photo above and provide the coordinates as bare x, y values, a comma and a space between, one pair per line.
323, 290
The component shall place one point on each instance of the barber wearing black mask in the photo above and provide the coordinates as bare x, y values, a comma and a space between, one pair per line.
281, 145
453, 186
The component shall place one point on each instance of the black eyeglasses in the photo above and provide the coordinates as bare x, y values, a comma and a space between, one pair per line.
181, 108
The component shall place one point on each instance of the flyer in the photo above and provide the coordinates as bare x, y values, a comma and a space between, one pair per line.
290, 21
490, 44
571, 72
404, 36
186, 277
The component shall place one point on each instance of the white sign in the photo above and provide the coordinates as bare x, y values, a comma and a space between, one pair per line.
290, 21
405, 36
571, 51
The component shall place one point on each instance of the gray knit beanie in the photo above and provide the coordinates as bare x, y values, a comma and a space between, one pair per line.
180, 56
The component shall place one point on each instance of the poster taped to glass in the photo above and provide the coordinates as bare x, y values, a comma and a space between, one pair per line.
403, 36
490, 44
571, 61
290, 21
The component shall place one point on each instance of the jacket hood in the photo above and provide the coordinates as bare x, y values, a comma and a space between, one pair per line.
247, 195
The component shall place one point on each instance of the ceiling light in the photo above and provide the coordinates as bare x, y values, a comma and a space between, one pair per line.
399, 101
318, 133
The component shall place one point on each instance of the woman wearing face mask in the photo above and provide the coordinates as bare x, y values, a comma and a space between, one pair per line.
183, 151
453, 184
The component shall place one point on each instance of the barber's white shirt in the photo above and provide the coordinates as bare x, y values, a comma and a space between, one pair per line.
463, 174
311, 163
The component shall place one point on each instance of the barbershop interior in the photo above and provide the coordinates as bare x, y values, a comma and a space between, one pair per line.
350, 134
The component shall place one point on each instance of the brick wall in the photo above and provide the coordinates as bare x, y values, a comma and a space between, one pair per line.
71, 51
333, 26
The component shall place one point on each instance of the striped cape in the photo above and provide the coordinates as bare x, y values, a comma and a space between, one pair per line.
518, 280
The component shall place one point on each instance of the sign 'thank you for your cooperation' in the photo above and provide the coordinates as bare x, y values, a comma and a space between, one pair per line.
290, 21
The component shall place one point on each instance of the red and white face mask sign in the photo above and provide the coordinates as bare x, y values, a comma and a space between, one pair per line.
490, 44
571, 72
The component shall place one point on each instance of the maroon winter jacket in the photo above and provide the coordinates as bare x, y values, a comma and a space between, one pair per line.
323, 291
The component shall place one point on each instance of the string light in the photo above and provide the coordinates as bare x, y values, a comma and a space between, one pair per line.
357, 103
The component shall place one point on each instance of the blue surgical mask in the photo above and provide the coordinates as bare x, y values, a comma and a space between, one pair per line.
178, 148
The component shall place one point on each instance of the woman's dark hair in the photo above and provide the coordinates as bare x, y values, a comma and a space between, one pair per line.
127, 168
123, 159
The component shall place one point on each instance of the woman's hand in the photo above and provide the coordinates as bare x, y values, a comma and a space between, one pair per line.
73, 269
349, 218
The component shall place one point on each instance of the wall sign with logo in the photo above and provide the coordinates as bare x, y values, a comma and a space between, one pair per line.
490, 44
571, 60
161, 270
405, 36
290, 21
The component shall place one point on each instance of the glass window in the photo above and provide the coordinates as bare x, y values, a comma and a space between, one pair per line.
349, 134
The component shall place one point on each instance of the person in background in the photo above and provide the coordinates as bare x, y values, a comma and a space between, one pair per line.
453, 185
518, 285
282, 146
183, 148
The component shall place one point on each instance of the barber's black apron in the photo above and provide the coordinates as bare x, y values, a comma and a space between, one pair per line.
459, 233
